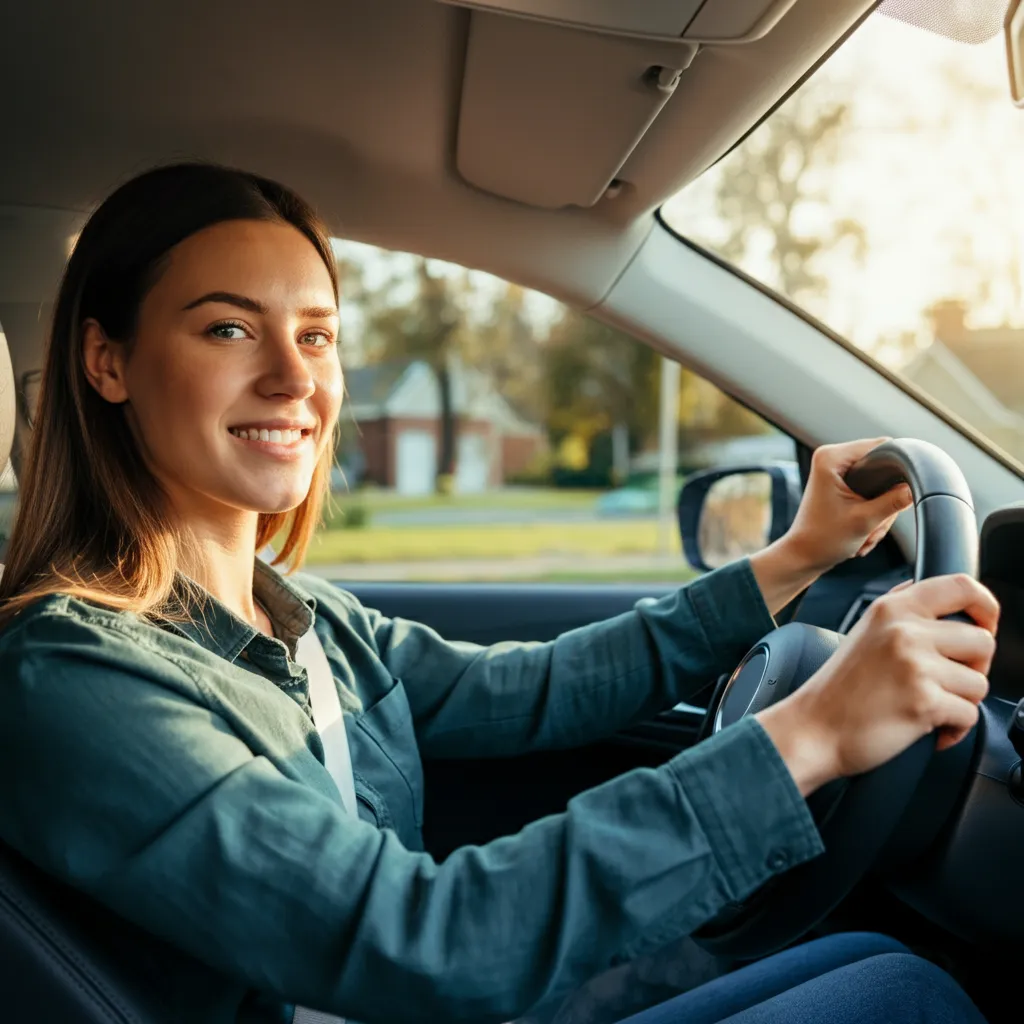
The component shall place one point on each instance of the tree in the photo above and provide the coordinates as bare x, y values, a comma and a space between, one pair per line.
506, 347
769, 186
596, 379
428, 325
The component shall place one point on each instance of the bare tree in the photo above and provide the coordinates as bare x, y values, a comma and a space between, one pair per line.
768, 185
428, 326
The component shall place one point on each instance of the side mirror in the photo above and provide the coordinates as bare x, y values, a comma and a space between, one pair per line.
729, 513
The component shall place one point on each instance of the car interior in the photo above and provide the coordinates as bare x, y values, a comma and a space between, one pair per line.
537, 141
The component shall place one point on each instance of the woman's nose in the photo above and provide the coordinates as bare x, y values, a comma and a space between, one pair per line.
287, 370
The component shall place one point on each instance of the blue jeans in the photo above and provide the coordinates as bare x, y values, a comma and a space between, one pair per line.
857, 978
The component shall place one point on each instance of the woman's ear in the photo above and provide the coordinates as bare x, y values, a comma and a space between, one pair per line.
103, 360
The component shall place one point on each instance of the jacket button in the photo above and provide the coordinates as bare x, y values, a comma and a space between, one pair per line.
778, 860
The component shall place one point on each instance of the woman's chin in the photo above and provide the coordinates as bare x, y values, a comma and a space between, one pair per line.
281, 507
274, 502
269, 495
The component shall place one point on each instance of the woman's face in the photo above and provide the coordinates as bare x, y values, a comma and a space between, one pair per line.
232, 382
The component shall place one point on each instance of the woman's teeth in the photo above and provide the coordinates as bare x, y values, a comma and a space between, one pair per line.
271, 436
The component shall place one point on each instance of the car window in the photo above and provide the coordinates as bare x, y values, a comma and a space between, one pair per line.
490, 433
883, 197
548, 465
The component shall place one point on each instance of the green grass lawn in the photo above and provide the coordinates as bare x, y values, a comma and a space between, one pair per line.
538, 499
486, 541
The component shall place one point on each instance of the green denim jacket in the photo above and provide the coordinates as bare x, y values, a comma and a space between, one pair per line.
172, 773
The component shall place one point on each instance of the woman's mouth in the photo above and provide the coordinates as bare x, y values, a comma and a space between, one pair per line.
271, 436
278, 442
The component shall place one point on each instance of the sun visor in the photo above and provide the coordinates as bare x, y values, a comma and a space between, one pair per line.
556, 96
701, 21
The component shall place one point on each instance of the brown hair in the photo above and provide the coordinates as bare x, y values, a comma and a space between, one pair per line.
92, 518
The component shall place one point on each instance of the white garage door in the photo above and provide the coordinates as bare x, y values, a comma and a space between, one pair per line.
416, 462
472, 472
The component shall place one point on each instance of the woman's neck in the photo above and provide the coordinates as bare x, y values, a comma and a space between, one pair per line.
222, 561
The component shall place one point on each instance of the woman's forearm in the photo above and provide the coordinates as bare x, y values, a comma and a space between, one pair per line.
782, 571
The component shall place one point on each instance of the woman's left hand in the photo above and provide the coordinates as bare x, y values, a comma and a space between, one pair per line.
834, 524
831, 525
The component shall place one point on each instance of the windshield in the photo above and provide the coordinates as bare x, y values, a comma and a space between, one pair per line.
884, 197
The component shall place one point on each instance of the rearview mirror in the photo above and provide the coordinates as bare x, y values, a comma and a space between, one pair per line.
731, 513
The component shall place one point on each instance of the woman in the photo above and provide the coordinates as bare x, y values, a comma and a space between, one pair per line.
152, 705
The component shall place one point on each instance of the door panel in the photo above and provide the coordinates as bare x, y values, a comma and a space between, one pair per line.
487, 613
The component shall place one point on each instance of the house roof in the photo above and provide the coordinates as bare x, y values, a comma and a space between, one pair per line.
983, 400
410, 390
373, 385
995, 356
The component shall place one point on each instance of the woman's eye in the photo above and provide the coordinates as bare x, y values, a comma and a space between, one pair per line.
318, 339
228, 332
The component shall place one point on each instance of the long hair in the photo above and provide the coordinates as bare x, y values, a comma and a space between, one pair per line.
93, 521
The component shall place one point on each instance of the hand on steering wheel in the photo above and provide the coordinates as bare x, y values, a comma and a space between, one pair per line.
862, 710
834, 522
902, 674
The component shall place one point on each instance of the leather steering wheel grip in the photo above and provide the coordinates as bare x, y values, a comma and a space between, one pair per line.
947, 529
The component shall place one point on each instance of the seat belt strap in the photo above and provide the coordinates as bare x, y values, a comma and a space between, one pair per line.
327, 715
330, 723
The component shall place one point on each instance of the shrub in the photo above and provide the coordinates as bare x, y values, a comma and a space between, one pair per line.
354, 517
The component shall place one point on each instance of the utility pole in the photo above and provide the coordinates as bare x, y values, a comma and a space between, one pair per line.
669, 455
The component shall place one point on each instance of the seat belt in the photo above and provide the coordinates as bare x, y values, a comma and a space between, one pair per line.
327, 715
330, 723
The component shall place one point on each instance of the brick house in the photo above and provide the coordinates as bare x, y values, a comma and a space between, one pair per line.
396, 410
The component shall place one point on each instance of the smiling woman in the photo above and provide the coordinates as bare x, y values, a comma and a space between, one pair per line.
152, 377
230, 762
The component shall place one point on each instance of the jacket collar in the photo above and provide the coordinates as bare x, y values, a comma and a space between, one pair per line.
215, 627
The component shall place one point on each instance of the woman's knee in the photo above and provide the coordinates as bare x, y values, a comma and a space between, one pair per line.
904, 987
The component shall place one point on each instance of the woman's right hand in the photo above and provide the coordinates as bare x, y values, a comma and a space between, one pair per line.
904, 671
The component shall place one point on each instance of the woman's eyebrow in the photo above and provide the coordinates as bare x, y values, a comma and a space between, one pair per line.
252, 306
230, 299
318, 312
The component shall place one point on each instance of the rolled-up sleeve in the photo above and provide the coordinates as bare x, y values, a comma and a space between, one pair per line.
472, 701
118, 784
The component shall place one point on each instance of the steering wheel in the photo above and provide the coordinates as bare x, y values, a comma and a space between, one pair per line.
856, 817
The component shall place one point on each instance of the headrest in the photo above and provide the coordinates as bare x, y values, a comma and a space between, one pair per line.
7, 404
